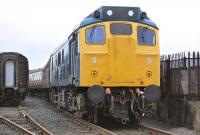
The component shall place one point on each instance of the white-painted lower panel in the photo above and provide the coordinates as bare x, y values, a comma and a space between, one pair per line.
9, 73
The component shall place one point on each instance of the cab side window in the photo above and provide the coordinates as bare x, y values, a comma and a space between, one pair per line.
146, 36
95, 35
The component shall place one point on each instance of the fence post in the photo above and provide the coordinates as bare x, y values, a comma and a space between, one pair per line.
189, 74
184, 57
193, 57
198, 79
168, 76
179, 74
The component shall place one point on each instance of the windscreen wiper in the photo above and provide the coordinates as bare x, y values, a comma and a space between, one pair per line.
92, 32
143, 33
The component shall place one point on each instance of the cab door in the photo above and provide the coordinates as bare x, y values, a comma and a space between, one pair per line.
73, 58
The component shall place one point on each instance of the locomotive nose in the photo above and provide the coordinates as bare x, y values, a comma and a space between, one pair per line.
122, 52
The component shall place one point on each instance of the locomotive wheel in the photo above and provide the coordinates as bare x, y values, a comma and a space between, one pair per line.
2, 101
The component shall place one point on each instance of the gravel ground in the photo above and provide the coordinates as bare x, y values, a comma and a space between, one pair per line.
120, 129
59, 124
131, 131
47, 115
4, 130
169, 128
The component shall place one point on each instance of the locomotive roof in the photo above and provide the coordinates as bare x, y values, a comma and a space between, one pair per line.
113, 13
133, 14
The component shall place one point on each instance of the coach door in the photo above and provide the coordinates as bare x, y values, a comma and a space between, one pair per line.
73, 51
9, 73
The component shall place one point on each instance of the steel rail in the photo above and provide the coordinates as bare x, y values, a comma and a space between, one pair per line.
15, 126
156, 131
99, 130
34, 123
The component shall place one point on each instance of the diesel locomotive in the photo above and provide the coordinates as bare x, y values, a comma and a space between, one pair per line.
109, 65
13, 77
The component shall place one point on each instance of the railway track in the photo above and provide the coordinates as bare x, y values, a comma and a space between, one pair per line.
155, 131
142, 130
22, 123
26, 125
97, 130
102, 131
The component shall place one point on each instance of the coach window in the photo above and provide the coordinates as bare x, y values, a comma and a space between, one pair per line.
56, 60
63, 56
59, 59
95, 35
146, 36
52, 63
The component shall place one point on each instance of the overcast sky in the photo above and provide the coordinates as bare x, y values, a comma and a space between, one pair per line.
36, 27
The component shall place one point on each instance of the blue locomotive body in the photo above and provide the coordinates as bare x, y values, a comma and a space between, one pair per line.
65, 66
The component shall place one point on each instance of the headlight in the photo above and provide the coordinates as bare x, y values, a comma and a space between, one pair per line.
130, 13
109, 12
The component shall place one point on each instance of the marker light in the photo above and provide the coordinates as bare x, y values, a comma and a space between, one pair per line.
137, 91
109, 12
130, 13
108, 91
